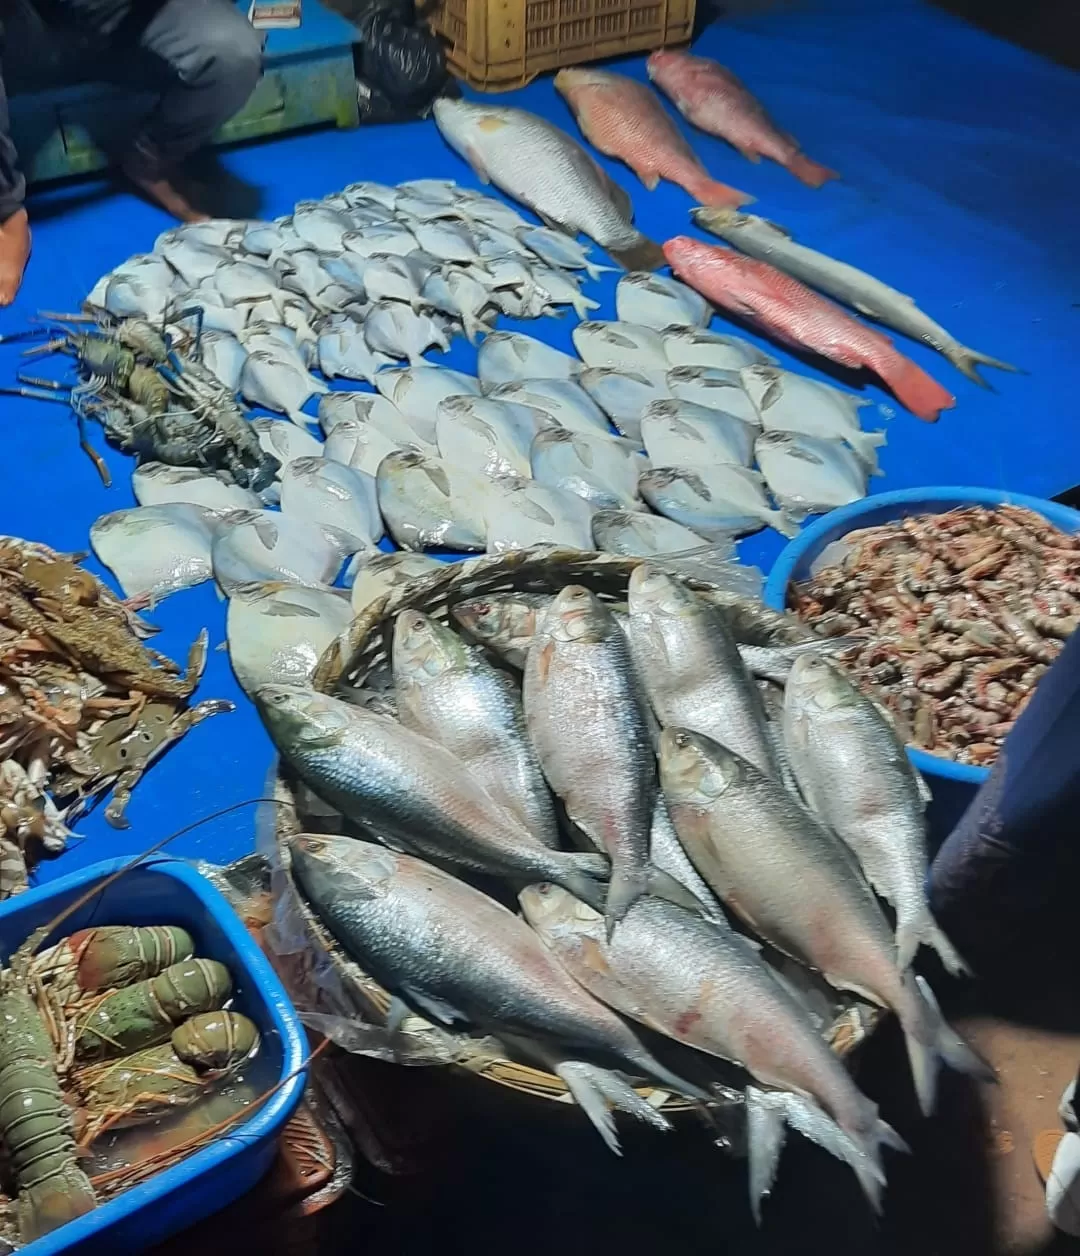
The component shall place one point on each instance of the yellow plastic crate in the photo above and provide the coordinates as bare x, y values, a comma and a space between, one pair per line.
496, 45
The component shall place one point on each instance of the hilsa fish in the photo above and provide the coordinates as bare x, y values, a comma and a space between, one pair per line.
712, 98
623, 119
787, 310
770, 243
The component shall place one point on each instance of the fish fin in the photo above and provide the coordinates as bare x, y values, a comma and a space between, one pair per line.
396, 1014
923, 930
650, 179
553, 224
771, 395
586, 878
591, 1100
717, 195
472, 156
584, 305
474, 327
866, 445
749, 153
645, 255
627, 886
434, 1008
930, 1041
594, 270
967, 360
782, 521
812, 173
765, 1136
861, 1154
662, 885
613, 1089
916, 390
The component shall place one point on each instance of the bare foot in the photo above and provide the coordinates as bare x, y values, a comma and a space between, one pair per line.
14, 254
162, 193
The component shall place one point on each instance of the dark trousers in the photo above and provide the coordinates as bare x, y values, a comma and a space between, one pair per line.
1006, 875
199, 58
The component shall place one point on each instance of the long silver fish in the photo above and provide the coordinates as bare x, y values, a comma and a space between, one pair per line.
457, 956
410, 790
798, 885
853, 771
770, 243
690, 666
543, 168
704, 985
449, 692
590, 725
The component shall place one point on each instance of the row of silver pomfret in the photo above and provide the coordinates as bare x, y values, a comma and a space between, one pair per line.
749, 837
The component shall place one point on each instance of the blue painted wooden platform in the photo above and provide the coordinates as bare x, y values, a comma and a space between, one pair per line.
962, 176
308, 80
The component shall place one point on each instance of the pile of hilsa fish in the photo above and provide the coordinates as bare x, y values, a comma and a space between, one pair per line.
110, 1029
631, 785
957, 616
85, 705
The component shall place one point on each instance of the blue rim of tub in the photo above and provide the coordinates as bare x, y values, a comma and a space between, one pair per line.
255, 1135
799, 553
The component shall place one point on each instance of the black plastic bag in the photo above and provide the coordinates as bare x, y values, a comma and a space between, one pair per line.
401, 66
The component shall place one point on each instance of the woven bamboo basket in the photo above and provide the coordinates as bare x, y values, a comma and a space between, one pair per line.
358, 664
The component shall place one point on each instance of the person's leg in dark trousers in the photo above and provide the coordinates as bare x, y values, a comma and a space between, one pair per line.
1006, 876
211, 58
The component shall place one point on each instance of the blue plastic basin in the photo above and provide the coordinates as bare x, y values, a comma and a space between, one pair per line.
168, 891
797, 557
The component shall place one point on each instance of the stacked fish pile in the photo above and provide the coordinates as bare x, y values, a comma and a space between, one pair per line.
630, 778
522, 454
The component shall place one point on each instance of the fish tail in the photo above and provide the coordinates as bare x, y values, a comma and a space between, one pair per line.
594, 270
597, 1091
717, 195
627, 886
583, 305
662, 885
931, 1041
968, 361
782, 522
643, 254
866, 445
923, 930
585, 875
916, 390
812, 173
473, 327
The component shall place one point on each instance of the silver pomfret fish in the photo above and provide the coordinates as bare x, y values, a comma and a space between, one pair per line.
590, 726
411, 790
449, 692
543, 168
757, 237
458, 956
798, 886
691, 667
853, 771
705, 986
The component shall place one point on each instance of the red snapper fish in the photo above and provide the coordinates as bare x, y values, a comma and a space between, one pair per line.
788, 311
713, 99
624, 119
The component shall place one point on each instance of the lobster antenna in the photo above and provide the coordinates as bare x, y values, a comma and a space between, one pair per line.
41, 934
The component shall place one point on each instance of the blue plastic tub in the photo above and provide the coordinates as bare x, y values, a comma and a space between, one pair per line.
168, 891
798, 556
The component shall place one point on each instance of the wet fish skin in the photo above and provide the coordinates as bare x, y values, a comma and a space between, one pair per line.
659, 302
541, 166
456, 956
323, 491
854, 773
682, 433
623, 395
505, 622
384, 572
787, 402
563, 399
507, 357
794, 315
428, 502
624, 119
809, 475
449, 692
699, 982
620, 345
156, 550
713, 388
642, 535
277, 632
691, 667
712, 98
410, 790
697, 346
521, 513
716, 501
602, 470
757, 237
798, 885
590, 727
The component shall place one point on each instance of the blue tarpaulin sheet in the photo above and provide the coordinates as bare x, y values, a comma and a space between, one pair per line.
961, 177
